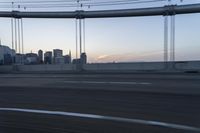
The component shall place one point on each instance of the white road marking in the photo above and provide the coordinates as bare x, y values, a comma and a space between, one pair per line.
109, 118
107, 82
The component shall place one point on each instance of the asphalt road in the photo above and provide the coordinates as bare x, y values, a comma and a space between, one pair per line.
100, 103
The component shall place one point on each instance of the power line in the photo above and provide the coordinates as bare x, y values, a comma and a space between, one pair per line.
125, 3
107, 3
53, 1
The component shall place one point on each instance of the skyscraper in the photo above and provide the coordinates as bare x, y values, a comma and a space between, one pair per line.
48, 57
57, 55
83, 58
68, 58
6, 55
40, 56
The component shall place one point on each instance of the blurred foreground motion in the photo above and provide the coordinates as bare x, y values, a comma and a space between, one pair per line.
100, 103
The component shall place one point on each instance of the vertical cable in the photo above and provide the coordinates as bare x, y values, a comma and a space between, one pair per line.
80, 36
15, 35
166, 38
76, 23
22, 36
84, 35
19, 37
12, 33
172, 38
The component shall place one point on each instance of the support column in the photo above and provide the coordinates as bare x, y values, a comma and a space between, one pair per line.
166, 38
22, 36
19, 36
84, 35
15, 21
76, 28
80, 36
172, 39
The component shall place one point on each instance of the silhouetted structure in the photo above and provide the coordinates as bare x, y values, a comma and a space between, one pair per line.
31, 58
83, 59
76, 61
19, 58
48, 57
68, 58
6, 55
40, 56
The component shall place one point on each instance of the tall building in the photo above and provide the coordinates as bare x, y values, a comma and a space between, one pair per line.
48, 57
40, 56
83, 58
68, 58
57, 55
6, 55
20, 58
59, 60
31, 58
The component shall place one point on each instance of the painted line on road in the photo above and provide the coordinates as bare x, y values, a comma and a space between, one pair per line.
104, 82
108, 118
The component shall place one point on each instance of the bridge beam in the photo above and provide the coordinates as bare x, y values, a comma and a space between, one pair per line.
79, 14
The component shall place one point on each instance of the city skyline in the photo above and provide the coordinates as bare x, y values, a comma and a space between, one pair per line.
112, 39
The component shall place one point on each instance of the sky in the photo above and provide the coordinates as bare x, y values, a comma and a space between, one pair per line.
130, 39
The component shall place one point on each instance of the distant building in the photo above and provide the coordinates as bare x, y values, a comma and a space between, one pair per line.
57, 53
68, 58
59, 60
48, 57
83, 59
8, 59
76, 61
31, 58
20, 58
40, 56
6, 55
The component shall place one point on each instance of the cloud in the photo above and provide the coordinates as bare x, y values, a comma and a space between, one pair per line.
130, 57
102, 57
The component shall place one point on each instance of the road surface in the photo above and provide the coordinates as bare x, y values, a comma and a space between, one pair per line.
100, 103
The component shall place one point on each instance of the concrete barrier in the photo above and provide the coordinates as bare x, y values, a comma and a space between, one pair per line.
188, 65
121, 67
179, 66
6, 69
46, 68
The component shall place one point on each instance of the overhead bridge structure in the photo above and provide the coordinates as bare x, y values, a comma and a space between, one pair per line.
79, 14
155, 11
168, 10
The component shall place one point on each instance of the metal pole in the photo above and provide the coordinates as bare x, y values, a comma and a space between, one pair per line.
12, 39
84, 35
173, 19
80, 36
19, 37
172, 47
76, 23
12, 33
15, 35
165, 38
22, 36
12, 29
